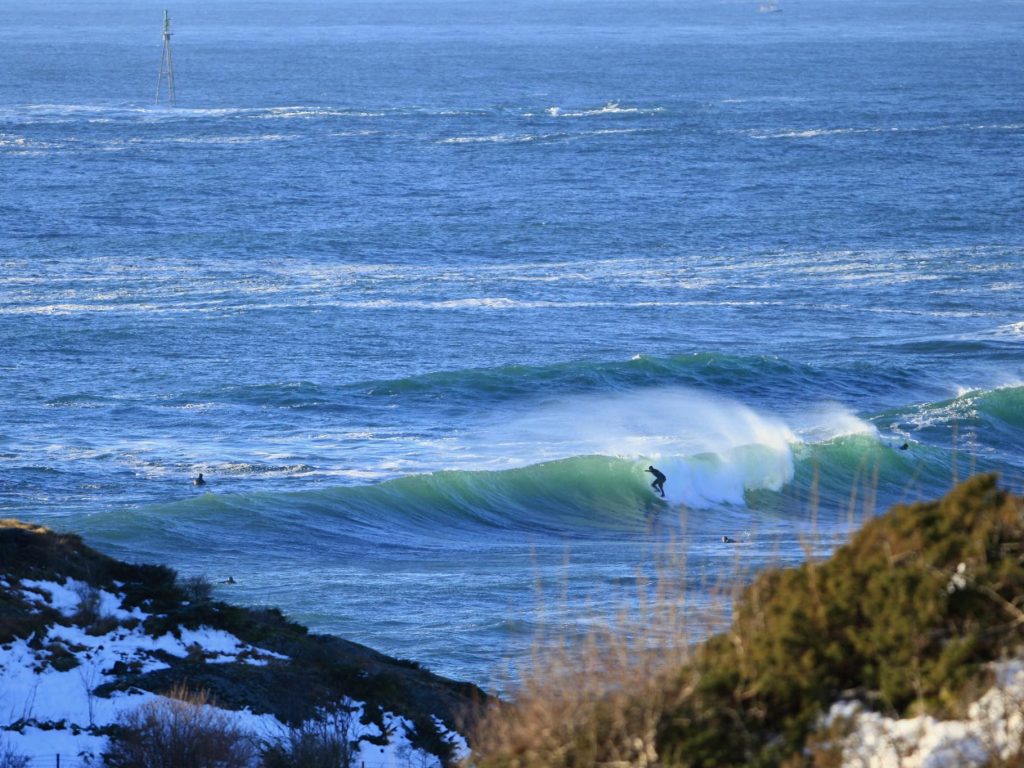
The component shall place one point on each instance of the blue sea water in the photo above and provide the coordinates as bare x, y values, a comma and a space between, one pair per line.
422, 286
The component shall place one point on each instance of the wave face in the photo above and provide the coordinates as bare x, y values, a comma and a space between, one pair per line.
573, 498
725, 456
721, 458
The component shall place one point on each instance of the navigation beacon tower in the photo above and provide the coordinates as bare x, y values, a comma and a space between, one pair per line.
166, 64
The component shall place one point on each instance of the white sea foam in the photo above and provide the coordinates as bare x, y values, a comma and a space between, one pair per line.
308, 113
811, 133
468, 303
502, 138
495, 303
148, 114
764, 100
68, 113
962, 407
610, 108
497, 138
1011, 330
24, 146
613, 131
350, 134
997, 127
232, 139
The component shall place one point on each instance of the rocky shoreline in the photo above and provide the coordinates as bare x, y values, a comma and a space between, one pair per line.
85, 639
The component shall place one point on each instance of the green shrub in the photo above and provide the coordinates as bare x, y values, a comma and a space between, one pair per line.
196, 589
905, 612
88, 611
151, 587
88, 615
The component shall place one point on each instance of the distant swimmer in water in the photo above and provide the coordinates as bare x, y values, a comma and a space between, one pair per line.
727, 540
905, 446
199, 480
229, 580
659, 481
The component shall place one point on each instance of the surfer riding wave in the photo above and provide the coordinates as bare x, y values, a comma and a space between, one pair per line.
659, 480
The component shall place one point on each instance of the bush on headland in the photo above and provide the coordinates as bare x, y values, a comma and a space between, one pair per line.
901, 619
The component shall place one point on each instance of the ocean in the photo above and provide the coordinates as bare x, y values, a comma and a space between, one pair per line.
423, 286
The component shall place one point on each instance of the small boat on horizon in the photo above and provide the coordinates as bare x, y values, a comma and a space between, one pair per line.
769, 7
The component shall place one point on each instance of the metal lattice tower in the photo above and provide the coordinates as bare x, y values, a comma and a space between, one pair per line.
166, 64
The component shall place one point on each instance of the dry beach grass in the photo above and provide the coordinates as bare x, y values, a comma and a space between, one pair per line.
902, 619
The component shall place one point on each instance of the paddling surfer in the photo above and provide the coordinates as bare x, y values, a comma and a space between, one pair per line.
659, 480
199, 480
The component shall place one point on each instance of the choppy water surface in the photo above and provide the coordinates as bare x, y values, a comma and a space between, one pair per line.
422, 287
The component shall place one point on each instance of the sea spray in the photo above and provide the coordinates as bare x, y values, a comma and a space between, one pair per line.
828, 421
712, 448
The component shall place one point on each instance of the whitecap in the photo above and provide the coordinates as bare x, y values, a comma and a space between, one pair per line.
498, 138
811, 133
503, 138
306, 113
1012, 329
483, 303
609, 108
232, 139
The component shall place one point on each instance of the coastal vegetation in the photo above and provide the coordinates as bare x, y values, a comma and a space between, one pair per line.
178, 730
904, 619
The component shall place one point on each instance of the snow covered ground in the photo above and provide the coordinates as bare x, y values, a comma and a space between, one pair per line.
47, 700
993, 728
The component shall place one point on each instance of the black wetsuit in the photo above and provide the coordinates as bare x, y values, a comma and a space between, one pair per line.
659, 481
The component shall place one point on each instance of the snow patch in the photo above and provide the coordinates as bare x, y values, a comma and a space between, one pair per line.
69, 596
48, 701
993, 729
